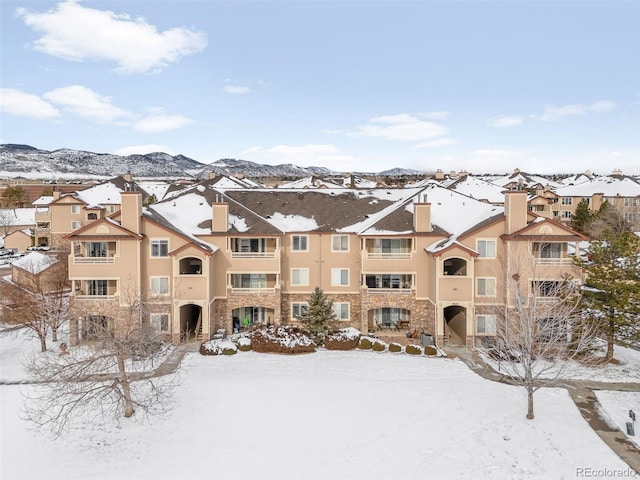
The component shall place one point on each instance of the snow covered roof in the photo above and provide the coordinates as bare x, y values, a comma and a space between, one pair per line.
477, 188
610, 186
310, 182
43, 200
159, 189
526, 179
35, 262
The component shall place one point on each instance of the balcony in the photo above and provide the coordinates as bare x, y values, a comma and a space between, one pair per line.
253, 247
384, 283
252, 290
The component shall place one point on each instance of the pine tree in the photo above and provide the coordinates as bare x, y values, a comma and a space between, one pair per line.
612, 295
319, 318
581, 219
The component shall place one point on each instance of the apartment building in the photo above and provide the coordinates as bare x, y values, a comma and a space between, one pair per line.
618, 190
391, 260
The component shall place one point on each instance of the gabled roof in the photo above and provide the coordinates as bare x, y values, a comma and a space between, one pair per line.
82, 231
536, 231
438, 250
35, 262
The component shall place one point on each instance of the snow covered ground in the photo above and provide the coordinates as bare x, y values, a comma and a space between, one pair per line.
616, 406
338, 415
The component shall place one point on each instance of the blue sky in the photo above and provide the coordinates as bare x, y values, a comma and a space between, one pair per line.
543, 86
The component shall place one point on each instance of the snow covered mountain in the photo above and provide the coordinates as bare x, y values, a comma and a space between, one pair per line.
27, 161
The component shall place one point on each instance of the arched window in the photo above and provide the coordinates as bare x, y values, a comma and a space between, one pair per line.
455, 266
190, 266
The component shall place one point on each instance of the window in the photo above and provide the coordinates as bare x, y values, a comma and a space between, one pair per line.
486, 324
567, 201
390, 280
486, 287
75, 208
248, 245
299, 243
92, 216
552, 330
566, 214
340, 243
249, 280
160, 322
548, 250
392, 245
97, 249
97, 287
341, 310
298, 309
300, 276
111, 208
159, 285
339, 276
487, 248
546, 288
75, 225
159, 248
630, 202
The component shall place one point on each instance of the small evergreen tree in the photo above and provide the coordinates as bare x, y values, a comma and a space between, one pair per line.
581, 219
319, 318
613, 294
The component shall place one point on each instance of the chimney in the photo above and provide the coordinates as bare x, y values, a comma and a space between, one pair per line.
220, 215
616, 173
439, 175
212, 175
128, 177
515, 209
56, 193
422, 215
131, 211
597, 199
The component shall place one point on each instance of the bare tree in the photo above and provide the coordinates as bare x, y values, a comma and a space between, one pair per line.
540, 333
40, 302
97, 377
7, 218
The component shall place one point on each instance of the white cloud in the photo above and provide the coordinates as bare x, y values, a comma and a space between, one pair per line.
439, 142
24, 104
160, 122
143, 149
326, 155
85, 103
552, 113
402, 127
236, 89
505, 121
74, 32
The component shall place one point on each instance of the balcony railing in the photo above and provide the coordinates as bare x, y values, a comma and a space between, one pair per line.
95, 297
554, 261
246, 291
253, 254
84, 260
387, 255
403, 291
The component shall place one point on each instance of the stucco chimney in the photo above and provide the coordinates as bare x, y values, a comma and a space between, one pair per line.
439, 174
515, 209
128, 177
422, 215
597, 200
212, 175
220, 215
131, 211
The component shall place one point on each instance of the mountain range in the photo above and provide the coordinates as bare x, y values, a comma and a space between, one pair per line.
30, 162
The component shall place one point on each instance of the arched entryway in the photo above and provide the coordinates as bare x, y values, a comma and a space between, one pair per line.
455, 320
190, 322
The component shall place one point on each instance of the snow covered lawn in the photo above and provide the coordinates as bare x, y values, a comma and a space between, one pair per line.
325, 415
616, 407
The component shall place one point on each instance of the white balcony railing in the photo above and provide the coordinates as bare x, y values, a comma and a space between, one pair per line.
84, 260
554, 261
253, 254
246, 291
95, 297
387, 256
